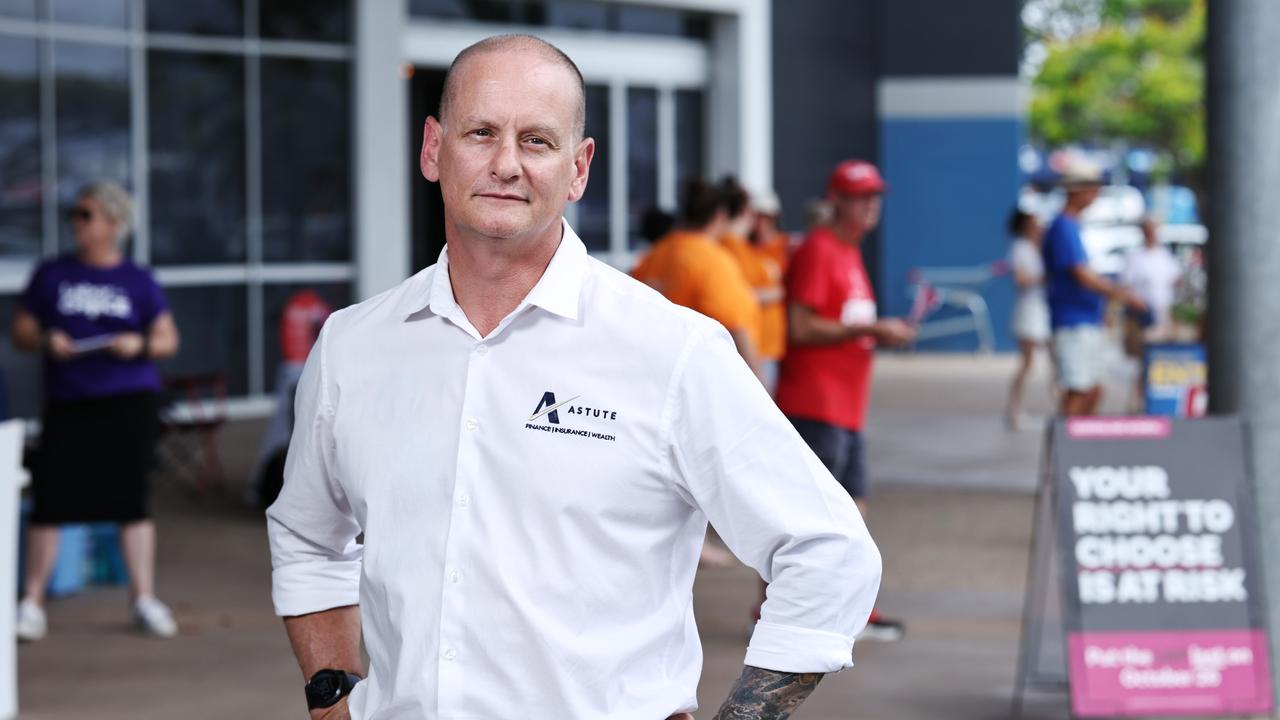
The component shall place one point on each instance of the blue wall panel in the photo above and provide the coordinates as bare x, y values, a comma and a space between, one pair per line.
952, 183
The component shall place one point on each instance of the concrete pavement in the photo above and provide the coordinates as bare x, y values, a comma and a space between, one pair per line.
952, 516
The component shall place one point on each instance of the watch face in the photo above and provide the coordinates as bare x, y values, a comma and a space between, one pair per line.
326, 684
324, 689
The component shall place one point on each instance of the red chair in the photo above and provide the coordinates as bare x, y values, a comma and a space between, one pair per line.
195, 411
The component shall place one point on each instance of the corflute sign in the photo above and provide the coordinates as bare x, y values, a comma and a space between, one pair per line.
1162, 606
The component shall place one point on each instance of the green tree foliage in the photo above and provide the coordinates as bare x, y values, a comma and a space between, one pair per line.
1130, 70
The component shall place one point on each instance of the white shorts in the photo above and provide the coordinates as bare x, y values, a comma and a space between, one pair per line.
1031, 319
1078, 351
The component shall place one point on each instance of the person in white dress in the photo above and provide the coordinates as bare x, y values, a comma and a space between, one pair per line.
1031, 309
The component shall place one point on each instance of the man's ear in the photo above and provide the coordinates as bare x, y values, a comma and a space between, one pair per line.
581, 168
429, 160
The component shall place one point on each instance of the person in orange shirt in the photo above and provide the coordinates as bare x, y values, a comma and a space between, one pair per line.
691, 268
766, 236
761, 272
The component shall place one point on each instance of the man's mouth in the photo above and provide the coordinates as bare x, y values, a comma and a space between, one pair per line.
503, 196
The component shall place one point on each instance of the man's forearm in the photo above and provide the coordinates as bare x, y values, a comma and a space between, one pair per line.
1095, 282
329, 639
767, 695
806, 327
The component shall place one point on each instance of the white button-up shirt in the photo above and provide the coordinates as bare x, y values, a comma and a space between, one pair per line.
533, 502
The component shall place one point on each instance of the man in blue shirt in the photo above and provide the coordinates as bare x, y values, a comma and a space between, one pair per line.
1077, 296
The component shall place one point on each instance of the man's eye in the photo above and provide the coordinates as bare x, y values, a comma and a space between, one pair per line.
482, 133
536, 140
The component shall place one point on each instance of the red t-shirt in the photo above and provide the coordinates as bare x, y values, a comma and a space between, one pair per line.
300, 323
829, 383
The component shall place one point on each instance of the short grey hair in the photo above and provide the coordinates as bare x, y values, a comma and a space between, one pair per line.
115, 201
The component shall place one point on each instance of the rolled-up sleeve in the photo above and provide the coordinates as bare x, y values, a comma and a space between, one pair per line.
315, 559
777, 508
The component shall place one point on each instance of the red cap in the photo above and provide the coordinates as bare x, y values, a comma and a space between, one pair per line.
855, 177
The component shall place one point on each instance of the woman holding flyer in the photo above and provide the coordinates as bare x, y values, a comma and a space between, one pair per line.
100, 321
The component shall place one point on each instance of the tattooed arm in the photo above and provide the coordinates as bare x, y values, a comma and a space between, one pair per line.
767, 695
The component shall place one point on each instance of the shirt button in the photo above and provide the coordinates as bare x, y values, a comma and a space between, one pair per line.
455, 576
472, 424
482, 349
464, 501
450, 654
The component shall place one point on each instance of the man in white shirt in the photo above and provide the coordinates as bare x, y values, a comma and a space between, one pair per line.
1151, 272
531, 445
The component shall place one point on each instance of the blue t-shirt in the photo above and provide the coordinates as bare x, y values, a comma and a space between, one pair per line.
1070, 303
92, 302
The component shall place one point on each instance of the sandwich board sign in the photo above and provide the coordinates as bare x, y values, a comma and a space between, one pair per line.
1150, 527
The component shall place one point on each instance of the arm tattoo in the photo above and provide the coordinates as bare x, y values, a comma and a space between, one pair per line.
767, 695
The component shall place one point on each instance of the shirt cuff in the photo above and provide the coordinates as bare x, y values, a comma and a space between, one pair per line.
306, 587
790, 649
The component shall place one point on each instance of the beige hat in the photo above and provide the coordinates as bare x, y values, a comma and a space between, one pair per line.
766, 202
1081, 173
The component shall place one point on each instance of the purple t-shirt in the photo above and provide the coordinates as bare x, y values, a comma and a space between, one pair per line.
90, 302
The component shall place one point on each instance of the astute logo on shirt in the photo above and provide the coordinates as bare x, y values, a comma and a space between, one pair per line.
546, 417
93, 301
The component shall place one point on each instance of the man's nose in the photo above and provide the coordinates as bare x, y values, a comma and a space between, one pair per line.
505, 163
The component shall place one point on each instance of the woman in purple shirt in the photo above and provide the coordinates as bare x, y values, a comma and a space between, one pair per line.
100, 322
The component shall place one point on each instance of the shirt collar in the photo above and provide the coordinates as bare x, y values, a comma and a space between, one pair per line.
558, 291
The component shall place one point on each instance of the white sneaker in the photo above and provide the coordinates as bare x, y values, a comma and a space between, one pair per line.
31, 624
153, 617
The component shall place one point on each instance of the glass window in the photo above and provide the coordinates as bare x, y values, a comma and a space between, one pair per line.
24, 9
108, 13
197, 17
577, 14
324, 20
275, 298
663, 21
21, 381
20, 179
197, 174
490, 10
445, 9
91, 89
642, 160
212, 324
306, 164
593, 208
690, 153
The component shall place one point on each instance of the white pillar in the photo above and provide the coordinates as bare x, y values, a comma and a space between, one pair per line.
756, 94
381, 193
12, 479
740, 117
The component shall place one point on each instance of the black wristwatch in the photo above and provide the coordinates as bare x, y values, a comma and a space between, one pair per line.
327, 687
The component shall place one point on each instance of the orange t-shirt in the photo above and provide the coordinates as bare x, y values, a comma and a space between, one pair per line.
765, 278
692, 270
778, 248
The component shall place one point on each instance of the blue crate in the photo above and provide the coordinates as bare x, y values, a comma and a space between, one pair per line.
106, 560
71, 570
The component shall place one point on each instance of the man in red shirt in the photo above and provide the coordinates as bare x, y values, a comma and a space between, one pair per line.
300, 322
833, 330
